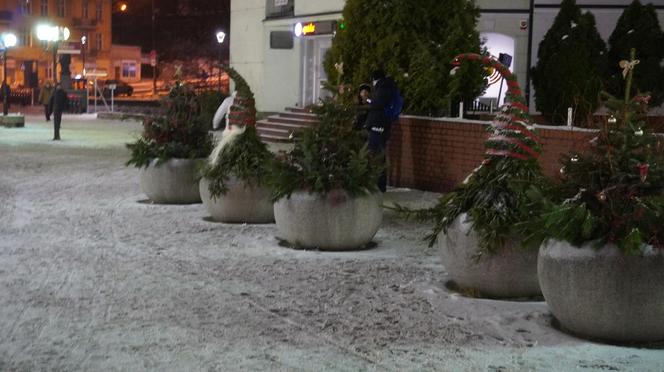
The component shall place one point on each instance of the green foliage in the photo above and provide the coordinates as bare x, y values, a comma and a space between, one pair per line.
571, 67
209, 101
414, 45
496, 199
246, 158
496, 195
328, 156
178, 134
638, 27
614, 193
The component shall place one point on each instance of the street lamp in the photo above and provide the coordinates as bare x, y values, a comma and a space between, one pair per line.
8, 41
84, 40
53, 34
220, 39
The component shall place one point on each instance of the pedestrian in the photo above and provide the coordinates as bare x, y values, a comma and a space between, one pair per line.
362, 106
57, 104
378, 122
5, 93
44, 98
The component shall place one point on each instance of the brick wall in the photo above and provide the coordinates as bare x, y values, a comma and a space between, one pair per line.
437, 154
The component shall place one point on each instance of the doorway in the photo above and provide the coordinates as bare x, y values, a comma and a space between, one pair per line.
313, 70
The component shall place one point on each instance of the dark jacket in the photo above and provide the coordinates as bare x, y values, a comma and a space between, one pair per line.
380, 98
58, 101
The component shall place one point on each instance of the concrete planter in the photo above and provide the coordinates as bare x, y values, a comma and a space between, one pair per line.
240, 203
510, 272
600, 293
171, 182
12, 121
335, 221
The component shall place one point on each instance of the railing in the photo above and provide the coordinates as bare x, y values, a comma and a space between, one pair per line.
481, 106
20, 96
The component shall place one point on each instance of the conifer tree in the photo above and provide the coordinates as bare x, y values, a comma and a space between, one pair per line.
638, 28
413, 45
571, 66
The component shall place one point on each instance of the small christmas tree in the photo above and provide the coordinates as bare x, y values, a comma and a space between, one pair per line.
494, 195
179, 133
329, 156
614, 193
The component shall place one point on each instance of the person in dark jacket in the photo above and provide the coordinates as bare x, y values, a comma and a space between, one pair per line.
362, 106
377, 124
57, 104
5, 92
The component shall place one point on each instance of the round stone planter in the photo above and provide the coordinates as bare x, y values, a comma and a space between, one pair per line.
510, 272
240, 204
171, 182
335, 221
602, 294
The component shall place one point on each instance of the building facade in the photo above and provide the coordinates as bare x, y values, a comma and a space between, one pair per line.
286, 70
30, 62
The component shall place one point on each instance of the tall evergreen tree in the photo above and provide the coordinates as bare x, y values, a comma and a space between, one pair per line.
413, 44
571, 66
638, 28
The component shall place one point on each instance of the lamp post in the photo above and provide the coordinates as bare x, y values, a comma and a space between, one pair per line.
220, 39
8, 41
84, 40
53, 34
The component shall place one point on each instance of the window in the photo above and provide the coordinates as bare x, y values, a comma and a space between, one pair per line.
84, 12
49, 72
60, 5
281, 40
24, 37
98, 41
25, 6
279, 8
99, 10
129, 69
44, 8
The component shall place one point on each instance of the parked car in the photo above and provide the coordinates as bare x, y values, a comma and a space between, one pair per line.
121, 88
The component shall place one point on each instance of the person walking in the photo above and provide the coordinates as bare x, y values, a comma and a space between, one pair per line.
362, 106
57, 104
5, 94
378, 123
45, 97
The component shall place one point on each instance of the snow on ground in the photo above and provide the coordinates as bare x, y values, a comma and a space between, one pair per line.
94, 278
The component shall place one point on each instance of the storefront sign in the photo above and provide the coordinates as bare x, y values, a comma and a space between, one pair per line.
280, 2
314, 28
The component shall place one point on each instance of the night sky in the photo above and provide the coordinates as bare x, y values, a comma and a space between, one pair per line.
184, 29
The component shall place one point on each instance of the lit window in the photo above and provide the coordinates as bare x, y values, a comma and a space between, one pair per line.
24, 37
128, 69
25, 6
44, 8
61, 7
99, 12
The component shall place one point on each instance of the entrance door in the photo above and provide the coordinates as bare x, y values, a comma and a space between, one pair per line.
313, 70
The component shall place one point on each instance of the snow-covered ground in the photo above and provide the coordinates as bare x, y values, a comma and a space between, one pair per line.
94, 278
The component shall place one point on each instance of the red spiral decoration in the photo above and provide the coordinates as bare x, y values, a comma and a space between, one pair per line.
511, 135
